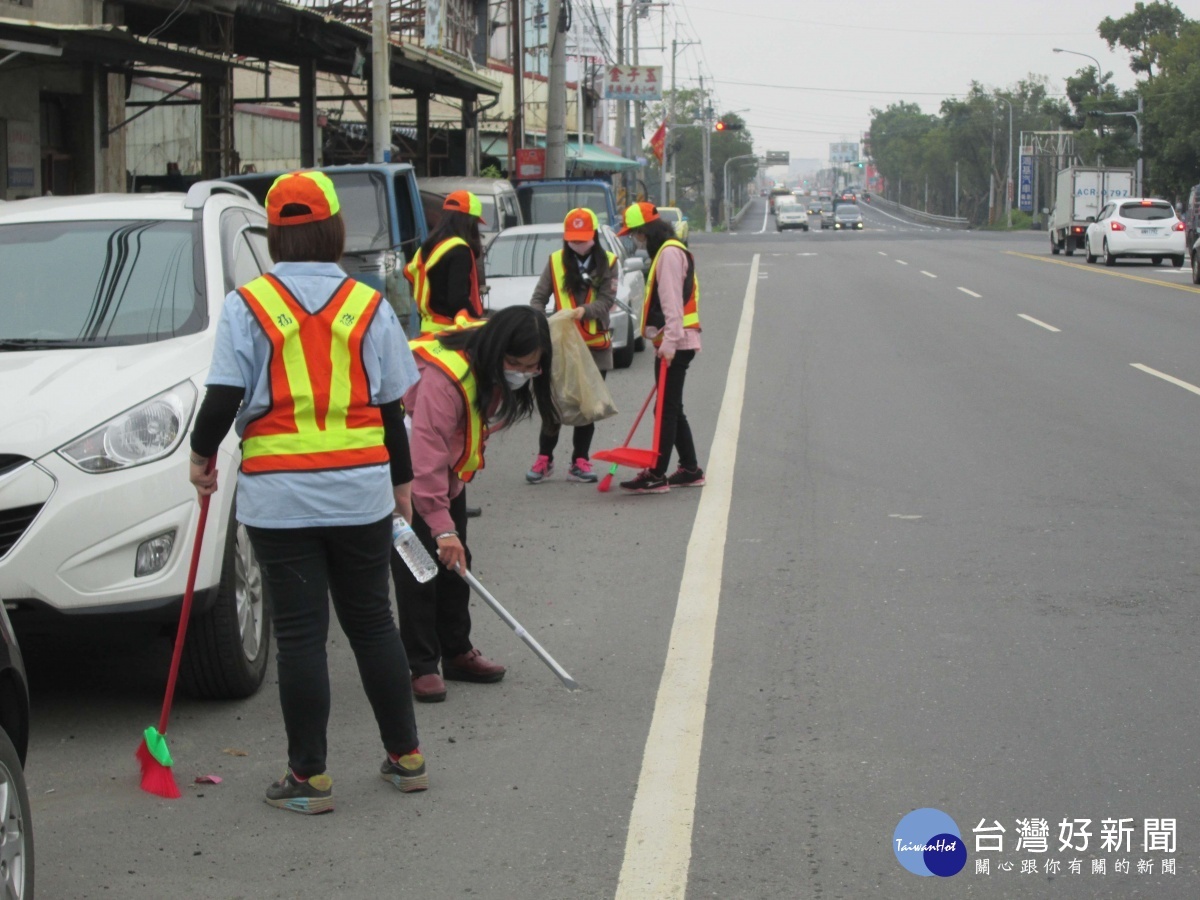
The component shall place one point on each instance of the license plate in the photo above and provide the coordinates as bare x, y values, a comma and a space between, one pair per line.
1148, 230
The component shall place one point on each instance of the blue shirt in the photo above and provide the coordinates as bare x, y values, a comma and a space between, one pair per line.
241, 358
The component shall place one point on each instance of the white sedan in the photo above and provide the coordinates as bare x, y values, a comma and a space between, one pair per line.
516, 258
1144, 228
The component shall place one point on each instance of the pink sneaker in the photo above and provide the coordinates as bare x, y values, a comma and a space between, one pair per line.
543, 467
581, 470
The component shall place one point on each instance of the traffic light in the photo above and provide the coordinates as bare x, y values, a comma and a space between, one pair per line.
722, 125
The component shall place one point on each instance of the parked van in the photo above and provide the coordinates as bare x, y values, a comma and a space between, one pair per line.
385, 224
543, 202
1191, 218
497, 196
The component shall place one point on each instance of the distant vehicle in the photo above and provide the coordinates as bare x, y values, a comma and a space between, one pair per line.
824, 194
1080, 193
546, 202
496, 196
791, 215
1143, 228
826, 215
518, 256
776, 194
678, 220
847, 217
1191, 218
813, 206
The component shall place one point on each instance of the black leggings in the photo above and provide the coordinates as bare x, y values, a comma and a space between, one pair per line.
435, 617
582, 438
301, 569
675, 431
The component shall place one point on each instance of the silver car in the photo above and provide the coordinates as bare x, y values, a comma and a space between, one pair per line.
518, 256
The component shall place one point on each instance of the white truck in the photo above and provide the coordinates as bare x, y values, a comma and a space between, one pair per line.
1080, 194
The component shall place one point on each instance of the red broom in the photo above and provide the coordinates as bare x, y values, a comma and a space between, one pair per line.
606, 481
152, 752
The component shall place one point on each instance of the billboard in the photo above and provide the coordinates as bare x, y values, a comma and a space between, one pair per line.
633, 83
1025, 194
846, 152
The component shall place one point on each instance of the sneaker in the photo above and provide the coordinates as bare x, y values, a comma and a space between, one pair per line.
646, 483
407, 773
310, 797
581, 470
543, 467
687, 477
429, 688
472, 666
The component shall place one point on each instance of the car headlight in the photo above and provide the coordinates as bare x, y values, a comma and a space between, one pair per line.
149, 431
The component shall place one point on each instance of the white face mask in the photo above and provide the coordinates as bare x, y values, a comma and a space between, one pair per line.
583, 248
517, 380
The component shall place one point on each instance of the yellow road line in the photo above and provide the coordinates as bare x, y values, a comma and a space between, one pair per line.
658, 847
1104, 271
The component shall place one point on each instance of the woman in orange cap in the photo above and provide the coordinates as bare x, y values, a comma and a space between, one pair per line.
444, 273
312, 366
671, 319
580, 278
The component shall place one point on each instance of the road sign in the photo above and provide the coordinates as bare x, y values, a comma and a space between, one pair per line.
633, 83
844, 152
1025, 199
777, 158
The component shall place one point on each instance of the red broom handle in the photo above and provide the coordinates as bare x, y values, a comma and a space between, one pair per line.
185, 611
641, 412
658, 407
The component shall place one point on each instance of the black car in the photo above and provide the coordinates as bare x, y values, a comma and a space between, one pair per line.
16, 820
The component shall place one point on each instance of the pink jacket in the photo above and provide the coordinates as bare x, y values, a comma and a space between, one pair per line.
672, 269
439, 431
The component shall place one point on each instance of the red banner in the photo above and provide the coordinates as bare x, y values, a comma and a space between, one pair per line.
658, 143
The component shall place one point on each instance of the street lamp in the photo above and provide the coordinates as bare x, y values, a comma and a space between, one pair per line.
1008, 183
1099, 73
1136, 115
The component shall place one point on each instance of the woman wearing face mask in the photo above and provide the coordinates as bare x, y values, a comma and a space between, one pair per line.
580, 278
671, 319
474, 381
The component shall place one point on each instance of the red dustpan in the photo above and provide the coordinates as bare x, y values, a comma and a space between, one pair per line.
637, 457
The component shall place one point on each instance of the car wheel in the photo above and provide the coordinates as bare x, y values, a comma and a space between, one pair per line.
639, 343
1196, 268
1069, 247
1109, 259
1088, 255
226, 654
16, 827
623, 356
1054, 248
1156, 260
1177, 262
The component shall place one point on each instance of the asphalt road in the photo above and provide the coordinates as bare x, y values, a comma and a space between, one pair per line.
956, 569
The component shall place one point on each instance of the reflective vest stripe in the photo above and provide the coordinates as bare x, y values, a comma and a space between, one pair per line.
691, 303
564, 299
320, 415
454, 363
417, 273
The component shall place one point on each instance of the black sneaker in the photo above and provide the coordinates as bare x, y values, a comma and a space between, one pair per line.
687, 477
407, 773
646, 483
309, 797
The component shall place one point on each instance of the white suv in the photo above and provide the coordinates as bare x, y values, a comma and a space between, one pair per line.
108, 310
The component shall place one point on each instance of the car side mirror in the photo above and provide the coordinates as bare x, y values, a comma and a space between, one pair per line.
635, 264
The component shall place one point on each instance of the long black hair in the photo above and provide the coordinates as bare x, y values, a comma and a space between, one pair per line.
657, 232
597, 268
512, 331
454, 224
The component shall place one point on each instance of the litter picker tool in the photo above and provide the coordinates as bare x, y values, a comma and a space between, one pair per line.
639, 457
606, 481
152, 752
570, 683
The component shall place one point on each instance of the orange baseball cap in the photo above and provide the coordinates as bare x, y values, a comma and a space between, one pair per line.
637, 215
464, 202
309, 189
580, 225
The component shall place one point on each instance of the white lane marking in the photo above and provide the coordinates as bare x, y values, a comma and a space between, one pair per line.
875, 209
902, 262
766, 215
881, 253
928, 274
1165, 377
658, 847
1038, 322
902, 516
972, 293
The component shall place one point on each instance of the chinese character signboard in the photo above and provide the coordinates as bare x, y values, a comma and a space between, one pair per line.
1025, 200
843, 153
777, 158
531, 163
633, 83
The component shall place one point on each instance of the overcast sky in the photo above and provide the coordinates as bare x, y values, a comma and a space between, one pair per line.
840, 59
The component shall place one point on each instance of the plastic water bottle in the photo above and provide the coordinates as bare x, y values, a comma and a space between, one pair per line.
412, 551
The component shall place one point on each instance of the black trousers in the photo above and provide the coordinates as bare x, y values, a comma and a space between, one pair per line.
675, 431
435, 617
581, 439
301, 569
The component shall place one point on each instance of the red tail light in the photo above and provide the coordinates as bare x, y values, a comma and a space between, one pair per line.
1116, 226
1077, 229
1179, 226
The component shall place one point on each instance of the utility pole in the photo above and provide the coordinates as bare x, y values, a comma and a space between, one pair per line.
622, 108
707, 132
638, 125
556, 90
381, 87
516, 17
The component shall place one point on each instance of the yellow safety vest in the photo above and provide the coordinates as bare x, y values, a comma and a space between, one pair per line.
417, 273
564, 299
652, 313
456, 365
321, 415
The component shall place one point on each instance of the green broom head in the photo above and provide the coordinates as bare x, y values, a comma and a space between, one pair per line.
155, 758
